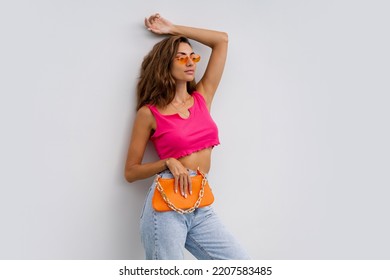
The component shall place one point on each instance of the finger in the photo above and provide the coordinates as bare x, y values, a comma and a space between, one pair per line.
185, 185
181, 186
176, 183
153, 18
147, 23
190, 184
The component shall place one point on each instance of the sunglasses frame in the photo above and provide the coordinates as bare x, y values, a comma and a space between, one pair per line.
183, 59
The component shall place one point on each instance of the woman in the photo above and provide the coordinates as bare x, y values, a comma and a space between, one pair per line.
173, 112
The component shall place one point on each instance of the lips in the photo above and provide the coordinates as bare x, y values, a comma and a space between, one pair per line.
190, 72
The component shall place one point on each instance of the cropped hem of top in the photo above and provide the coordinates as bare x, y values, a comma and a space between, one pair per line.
178, 137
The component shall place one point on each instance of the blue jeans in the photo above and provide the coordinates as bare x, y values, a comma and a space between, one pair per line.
165, 234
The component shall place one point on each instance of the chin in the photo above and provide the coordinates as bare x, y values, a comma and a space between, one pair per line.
188, 80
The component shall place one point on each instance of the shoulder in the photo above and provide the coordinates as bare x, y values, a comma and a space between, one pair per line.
145, 116
200, 97
145, 111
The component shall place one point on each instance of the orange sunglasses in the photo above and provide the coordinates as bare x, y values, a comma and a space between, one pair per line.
183, 59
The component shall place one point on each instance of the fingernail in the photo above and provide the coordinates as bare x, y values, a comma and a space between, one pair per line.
185, 196
190, 192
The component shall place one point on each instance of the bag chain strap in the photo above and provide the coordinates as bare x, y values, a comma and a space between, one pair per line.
179, 210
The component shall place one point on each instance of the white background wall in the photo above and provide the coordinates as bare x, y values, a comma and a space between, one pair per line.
303, 113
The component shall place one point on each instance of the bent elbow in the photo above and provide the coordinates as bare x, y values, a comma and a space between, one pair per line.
128, 176
225, 37
129, 180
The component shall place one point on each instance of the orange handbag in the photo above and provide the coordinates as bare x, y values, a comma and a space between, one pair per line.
165, 198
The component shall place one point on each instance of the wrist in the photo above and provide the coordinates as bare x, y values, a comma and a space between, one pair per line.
166, 163
174, 30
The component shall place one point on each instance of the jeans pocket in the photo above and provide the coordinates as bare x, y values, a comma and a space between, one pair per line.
146, 201
208, 211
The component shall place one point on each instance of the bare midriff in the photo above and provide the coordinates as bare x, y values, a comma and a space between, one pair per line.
201, 159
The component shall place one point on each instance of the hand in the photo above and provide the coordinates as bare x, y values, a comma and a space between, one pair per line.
181, 175
158, 24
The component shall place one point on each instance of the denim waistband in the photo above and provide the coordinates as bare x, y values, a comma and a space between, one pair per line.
167, 173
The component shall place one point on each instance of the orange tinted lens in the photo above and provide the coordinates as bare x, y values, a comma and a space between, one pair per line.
182, 59
195, 58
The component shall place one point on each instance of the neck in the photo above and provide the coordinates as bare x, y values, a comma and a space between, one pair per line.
181, 92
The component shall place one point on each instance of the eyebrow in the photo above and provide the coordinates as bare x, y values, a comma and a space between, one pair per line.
183, 53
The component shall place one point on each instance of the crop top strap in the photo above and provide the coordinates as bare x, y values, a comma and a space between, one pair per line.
152, 107
154, 110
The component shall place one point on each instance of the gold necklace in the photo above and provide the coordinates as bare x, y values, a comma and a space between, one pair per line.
186, 113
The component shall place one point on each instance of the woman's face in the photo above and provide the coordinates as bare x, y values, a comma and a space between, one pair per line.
184, 66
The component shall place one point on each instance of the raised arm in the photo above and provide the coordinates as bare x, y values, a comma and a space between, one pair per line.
216, 40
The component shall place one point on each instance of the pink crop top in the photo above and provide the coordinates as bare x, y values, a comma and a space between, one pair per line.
177, 137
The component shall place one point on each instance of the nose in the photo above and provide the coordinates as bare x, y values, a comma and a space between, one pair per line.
190, 62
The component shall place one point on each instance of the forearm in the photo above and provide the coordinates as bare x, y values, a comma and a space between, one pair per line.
207, 37
211, 38
137, 172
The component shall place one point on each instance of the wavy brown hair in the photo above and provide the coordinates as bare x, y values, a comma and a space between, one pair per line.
156, 85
